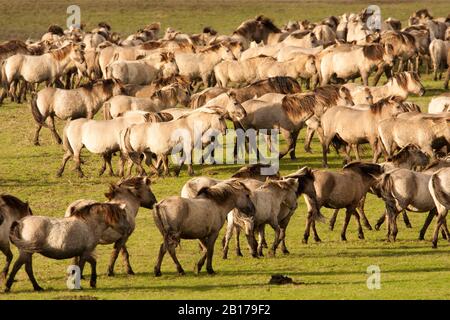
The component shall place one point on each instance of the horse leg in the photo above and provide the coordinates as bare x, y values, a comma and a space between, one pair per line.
381, 220
333, 219
171, 249
204, 244
126, 259
294, 141
36, 134
162, 252
237, 230
447, 78
77, 160
210, 252
226, 239
9, 256
308, 139
362, 213
29, 270
93, 262
66, 157
309, 221
253, 244
260, 231
358, 221
24, 258
284, 249
51, 125
115, 253
316, 235
441, 215
325, 146
348, 214
427, 222
288, 136
406, 219
276, 240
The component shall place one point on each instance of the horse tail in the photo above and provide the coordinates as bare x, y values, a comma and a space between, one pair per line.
441, 196
107, 111
338, 143
16, 238
163, 225
37, 115
384, 187
125, 144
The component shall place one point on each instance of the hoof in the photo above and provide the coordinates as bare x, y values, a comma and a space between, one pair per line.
211, 272
158, 273
93, 284
286, 252
130, 272
317, 240
434, 245
181, 272
36, 143
343, 238
305, 241
409, 226
38, 288
111, 274
361, 236
377, 227
271, 253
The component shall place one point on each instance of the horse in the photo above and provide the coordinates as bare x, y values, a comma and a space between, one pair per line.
343, 189
46, 67
348, 62
83, 102
142, 71
341, 121
12, 209
400, 85
164, 98
200, 65
199, 218
291, 113
64, 238
98, 136
161, 138
131, 193
439, 187
258, 88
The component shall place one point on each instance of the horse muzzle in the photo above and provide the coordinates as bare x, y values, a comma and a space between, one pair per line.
422, 92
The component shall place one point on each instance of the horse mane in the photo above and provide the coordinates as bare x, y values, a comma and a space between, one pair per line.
401, 155
254, 171
61, 53
168, 90
13, 202
12, 45
294, 105
402, 79
422, 13
301, 175
300, 34
210, 48
150, 45
267, 23
412, 107
329, 94
283, 85
378, 106
111, 211
55, 29
153, 26
366, 168
222, 191
209, 30
373, 51
104, 25
263, 56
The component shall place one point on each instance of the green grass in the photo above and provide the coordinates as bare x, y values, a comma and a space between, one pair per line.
329, 270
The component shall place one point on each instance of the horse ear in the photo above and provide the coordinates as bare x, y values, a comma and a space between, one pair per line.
232, 94
147, 181
203, 190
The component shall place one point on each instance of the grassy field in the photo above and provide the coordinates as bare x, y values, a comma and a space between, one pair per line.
333, 269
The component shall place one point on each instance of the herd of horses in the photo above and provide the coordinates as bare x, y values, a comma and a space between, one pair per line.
149, 86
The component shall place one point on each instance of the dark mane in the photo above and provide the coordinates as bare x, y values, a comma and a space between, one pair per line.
254, 171
222, 191
111, 211
213, 47
328, 94
150, 45
12, 46
373, 51
300, 34
301, 175
366, 168
268, 24
14, 202
104, 25
209, 30
378, 106
296, 105
55, 29
61, 53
